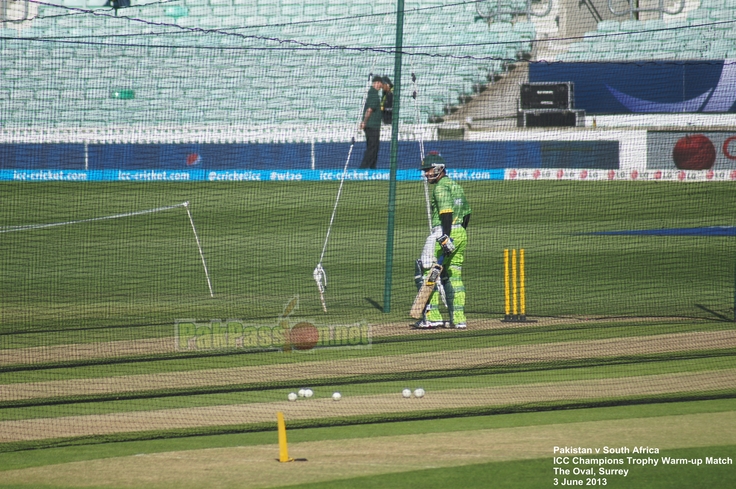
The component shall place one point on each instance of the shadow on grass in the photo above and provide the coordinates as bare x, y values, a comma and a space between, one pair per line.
374, 304
718, 315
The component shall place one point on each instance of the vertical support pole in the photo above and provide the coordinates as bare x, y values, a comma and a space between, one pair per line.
394, 156
314, 163
283, 448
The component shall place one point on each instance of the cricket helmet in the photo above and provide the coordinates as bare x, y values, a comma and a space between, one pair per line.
435, 162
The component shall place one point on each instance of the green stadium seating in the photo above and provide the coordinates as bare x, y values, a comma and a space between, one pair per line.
701, 15
608, 26
176, 80
658, 39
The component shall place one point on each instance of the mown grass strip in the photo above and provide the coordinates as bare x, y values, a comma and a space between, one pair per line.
35, 458
381, 346
131, 332
138, 405
632, 365
370, 419
534, 473
465, 379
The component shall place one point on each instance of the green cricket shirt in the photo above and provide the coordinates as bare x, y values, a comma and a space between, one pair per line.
449, 196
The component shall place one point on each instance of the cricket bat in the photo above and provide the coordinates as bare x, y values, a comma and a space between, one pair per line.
420, 303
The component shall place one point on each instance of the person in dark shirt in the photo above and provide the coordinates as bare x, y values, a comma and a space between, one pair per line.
371, 124
387, 102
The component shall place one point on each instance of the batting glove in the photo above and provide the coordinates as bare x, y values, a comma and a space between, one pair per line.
448, 247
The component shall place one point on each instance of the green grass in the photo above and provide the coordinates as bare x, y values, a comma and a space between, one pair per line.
388, 346
519, 474
353, 388
262, 240
593, 329
539, 473
133, 278
32, 458
536, 473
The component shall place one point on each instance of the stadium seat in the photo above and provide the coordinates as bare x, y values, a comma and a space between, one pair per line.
526, 30
608, 26
721, 15
653, 24
630, 25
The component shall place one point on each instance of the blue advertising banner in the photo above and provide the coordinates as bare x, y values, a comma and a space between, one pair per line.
232, 175
247, 160
646, 87
38, 156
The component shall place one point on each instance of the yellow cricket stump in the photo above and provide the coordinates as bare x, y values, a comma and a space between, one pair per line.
522, 288
514, 281
283, 448
506, 288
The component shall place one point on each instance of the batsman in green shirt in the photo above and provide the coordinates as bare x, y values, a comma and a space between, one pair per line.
450, 218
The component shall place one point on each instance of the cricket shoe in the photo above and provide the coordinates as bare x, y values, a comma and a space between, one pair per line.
424, 324
460, 326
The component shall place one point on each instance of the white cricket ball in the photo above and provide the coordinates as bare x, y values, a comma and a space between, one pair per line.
301, 392
419, 392
308, 392
292, 396
336, 396
406, 393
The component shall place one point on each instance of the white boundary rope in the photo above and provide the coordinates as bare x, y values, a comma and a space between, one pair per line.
199, 247
29, 227
319, 274
33, 227
337, 200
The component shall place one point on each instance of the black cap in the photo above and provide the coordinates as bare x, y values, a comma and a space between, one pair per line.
431, 160
377, 79
387, 80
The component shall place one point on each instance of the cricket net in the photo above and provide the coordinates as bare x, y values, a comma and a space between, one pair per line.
173, 172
